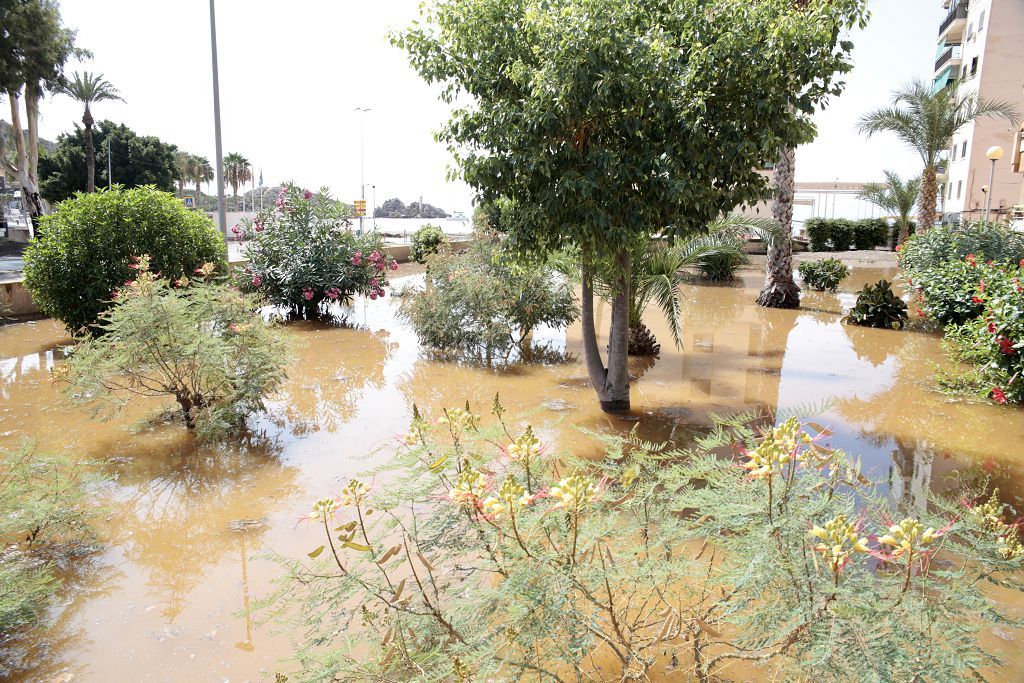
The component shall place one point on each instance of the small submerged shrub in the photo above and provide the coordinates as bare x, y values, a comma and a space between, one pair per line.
878, 306
824, 275
44, 521
426, 241
303, 257
86, 247
721, 266
486, 301
196, 341
489, 557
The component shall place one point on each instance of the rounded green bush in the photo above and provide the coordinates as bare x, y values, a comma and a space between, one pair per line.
426, 241
86, 248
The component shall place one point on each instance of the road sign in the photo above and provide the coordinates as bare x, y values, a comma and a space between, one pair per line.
190, 201
360, 207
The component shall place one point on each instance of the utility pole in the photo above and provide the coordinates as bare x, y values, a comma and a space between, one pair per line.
109, 165
222, 217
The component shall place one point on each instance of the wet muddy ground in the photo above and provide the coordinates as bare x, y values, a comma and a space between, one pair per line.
186, 525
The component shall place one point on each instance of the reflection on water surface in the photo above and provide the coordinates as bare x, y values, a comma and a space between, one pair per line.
162, 601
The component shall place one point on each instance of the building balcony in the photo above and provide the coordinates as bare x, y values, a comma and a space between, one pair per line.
951, 56
952, 27
946, 78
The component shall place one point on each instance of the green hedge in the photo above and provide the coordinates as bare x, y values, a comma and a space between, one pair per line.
840, 234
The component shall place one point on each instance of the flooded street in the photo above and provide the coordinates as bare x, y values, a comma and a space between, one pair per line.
186, 528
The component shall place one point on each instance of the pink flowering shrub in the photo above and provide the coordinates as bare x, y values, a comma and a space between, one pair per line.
303, 257
994, 340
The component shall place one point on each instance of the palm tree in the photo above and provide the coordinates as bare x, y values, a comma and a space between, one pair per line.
657, 274
88, 89
237, 171
182, 167
200, 171
896, 196
926, 122
780, 290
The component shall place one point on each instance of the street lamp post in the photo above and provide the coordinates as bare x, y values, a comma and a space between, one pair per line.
994, 154
941, 179
222, 217
362, 160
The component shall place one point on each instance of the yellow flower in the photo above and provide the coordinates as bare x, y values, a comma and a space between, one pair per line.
355, 493
777, 448
838, 540
574, 492
323, 509
459, 419
526, 447
908, 536
468, 488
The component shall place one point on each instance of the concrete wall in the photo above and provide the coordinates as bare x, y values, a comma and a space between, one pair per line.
15, 299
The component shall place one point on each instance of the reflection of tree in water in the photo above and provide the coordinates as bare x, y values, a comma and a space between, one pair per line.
330, 371
823, 307
870, 344
182, 511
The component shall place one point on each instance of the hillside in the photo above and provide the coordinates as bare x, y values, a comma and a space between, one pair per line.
6, 131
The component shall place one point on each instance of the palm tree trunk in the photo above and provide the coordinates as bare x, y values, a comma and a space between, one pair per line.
90, 152
926, 214
904, 230
780, 290
611, 383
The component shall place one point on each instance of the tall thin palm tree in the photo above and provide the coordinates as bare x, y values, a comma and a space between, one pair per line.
896, 196
200, 171
926, 122
89, 88
237, 171
780, 289
182, 168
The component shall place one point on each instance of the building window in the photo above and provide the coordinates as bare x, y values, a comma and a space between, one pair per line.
981, 20
951, 190
954, 152
970, 31
963, 151
959, 186
974, 65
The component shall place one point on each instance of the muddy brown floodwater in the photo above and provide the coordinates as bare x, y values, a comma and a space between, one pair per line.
162, 601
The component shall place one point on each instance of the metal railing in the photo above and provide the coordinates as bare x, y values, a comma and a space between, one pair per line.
951, 52
959, 11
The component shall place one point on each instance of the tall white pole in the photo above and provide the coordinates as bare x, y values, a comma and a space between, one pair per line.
988, 195
222, 217
109, 164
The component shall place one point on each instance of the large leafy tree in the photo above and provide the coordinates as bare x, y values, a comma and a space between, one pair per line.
603, 122
135, 160
34, 47
237, 171
89, 88
896, 196
926, 122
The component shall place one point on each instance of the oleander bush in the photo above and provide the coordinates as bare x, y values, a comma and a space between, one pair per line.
44, 524
489, 556
819, 234
193, 340
839, 234
824, 275
426, 241
993, 340
303, 256
486, 302
869, 233
86, 247
878, 306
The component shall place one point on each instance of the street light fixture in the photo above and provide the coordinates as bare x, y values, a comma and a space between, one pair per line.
362, 160
994, 154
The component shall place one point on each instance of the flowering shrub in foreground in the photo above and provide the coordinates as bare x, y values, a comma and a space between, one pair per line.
302, 257
193, 340
486, 557
994, 340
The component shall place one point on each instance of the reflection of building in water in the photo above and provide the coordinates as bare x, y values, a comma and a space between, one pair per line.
910, 474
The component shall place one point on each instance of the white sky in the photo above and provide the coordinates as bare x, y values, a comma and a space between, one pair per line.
292, 73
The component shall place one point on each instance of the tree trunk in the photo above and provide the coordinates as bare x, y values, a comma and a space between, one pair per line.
780, 290
90, 152
926, 215
904, 230
26, 178
611, 383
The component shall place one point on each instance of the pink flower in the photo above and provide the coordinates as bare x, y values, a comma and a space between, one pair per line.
307, 195
981, 286
1021, 264
394, 265
237, 230
333, 293
308, 294
258, 225
357, 258
380, 293
373, 296
373, 283
234, 328
257, 281
998, 395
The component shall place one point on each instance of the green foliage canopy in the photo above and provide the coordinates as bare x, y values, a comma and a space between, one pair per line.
603, 121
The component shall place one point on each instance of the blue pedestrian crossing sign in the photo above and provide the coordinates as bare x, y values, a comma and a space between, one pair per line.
190, 201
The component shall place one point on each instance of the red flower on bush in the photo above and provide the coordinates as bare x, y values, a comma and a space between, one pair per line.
1005, 345
991, 327
307, 195
998, 395
307, 293
970, 260
978, 300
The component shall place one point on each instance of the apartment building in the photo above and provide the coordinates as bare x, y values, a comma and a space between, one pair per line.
981, 50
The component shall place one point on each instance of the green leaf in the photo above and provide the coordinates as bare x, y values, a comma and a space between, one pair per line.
316, 553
